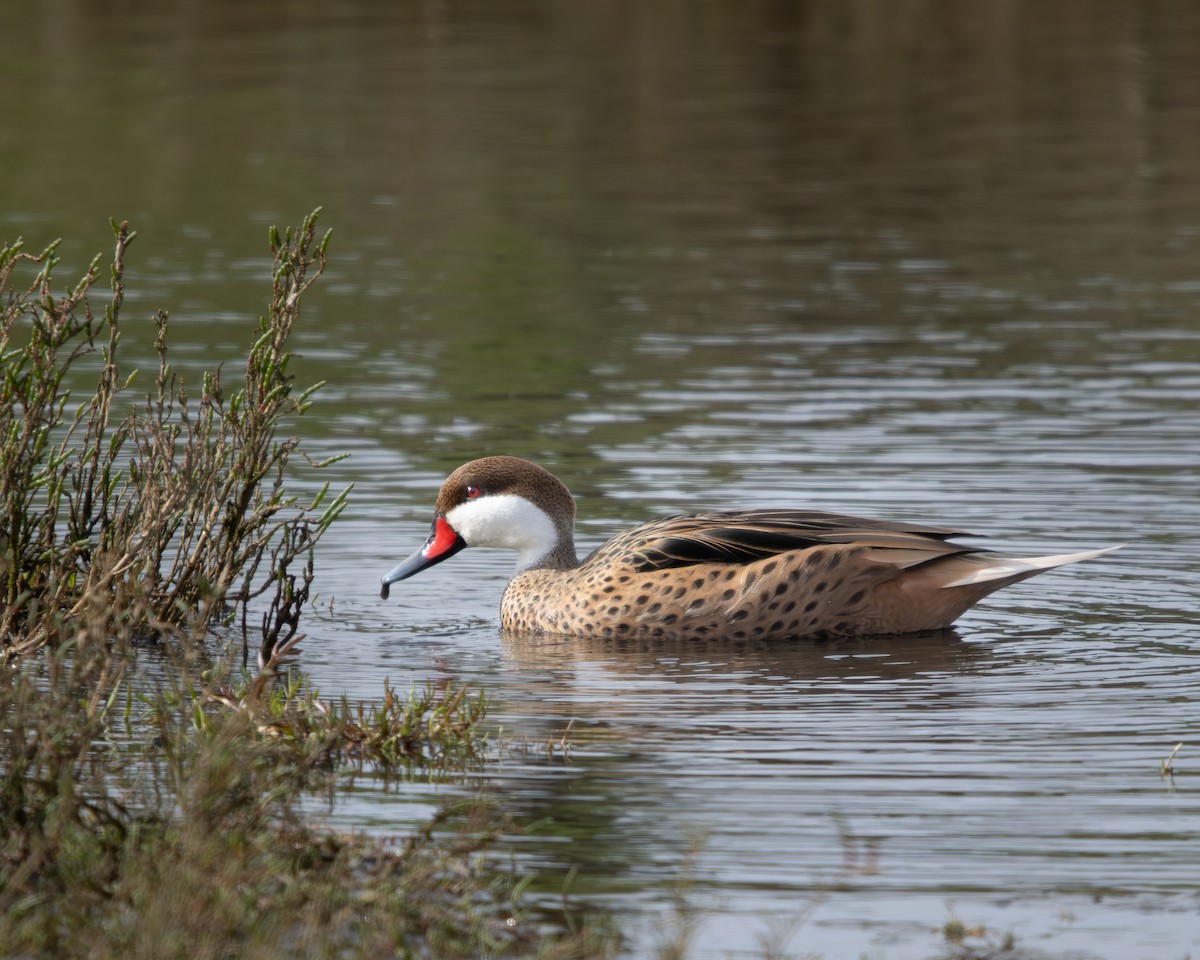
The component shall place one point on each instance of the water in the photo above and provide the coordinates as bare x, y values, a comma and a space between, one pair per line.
935, 263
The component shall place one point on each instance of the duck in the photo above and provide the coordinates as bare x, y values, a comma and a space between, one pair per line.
758, 574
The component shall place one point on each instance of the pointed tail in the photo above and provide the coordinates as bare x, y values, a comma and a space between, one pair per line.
1005, 568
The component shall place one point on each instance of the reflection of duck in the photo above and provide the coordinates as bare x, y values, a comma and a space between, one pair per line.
748, 575
718, 661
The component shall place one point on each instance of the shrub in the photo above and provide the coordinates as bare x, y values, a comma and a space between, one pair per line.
169, 517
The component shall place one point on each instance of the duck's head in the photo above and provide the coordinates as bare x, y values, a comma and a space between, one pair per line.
498, 502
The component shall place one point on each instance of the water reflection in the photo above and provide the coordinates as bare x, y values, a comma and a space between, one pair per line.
580, 664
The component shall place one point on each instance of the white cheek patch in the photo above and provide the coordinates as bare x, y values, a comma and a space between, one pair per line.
508, 522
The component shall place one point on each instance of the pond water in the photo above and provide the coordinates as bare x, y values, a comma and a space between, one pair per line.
937, 262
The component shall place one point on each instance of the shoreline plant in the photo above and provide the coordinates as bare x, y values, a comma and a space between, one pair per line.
172, 517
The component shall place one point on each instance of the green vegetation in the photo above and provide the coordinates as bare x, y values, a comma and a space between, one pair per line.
170, 517
166, 817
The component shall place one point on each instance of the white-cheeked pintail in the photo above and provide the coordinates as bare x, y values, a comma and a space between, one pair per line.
752, 574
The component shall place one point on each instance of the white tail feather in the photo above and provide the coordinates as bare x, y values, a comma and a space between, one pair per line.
1001, 568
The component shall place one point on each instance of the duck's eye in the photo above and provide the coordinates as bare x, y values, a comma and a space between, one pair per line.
472, 492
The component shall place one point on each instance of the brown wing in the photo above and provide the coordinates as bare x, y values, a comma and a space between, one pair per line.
746, 536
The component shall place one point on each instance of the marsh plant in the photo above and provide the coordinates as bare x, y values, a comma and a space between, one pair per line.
167, 818
170, 515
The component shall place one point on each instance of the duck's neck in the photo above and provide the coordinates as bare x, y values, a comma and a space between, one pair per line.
561, 556
548, 544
